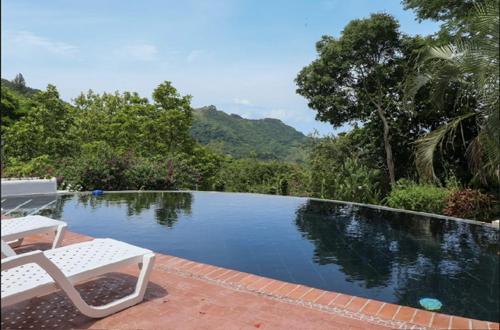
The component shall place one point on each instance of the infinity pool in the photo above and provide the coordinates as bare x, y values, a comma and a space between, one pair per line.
384, 255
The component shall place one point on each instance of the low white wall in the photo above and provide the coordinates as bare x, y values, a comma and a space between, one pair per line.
14, 187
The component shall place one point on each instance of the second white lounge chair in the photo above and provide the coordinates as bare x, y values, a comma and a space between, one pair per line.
38, 273
16, 229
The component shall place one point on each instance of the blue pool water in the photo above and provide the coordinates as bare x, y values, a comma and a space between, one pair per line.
389, 256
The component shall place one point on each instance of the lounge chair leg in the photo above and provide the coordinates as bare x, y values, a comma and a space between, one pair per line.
136, 297
59, 236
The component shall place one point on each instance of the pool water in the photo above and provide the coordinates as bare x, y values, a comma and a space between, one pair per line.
384, 255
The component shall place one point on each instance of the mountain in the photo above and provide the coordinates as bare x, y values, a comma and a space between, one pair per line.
265, 139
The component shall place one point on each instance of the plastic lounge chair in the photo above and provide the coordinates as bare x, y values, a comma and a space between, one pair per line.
14, 230
38, 273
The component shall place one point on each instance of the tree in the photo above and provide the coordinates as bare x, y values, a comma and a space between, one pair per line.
175, 117
454, 15
474, 66
357, 77
19, 82
9, 108
45, 130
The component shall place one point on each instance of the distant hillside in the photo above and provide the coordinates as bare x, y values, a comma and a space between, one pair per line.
233, 135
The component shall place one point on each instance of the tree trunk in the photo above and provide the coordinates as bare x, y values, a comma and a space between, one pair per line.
387, 146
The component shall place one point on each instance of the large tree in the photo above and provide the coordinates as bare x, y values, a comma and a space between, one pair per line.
357, 77
454, 15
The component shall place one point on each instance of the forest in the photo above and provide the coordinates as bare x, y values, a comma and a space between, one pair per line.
423, 112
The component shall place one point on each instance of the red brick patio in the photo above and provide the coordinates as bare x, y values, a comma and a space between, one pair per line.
183, 294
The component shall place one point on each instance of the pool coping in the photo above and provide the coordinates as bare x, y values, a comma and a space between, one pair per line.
336, 303
373, 206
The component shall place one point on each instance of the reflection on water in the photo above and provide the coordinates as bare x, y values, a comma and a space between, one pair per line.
383, 255
167, 206
415, 256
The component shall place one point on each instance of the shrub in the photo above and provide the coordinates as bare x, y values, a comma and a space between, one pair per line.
40, 166
146, 174
97, 167
471, 204
423, 198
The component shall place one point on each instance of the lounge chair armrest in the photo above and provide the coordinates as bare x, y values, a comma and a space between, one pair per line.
23, 259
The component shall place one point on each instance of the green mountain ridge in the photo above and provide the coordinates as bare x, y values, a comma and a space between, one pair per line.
231, 134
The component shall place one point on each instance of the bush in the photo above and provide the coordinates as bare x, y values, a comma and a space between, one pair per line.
40, 166
144, 174
423, 198
471, 204
97, 167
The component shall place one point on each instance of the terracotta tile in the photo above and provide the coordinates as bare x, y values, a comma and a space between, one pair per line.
493, 326
388, 311
441, 321
356, 304
372, 308
405, 314
226, 276
218, 277
215, 273
207, 270
184, 265
172, 261
460, 323
161, 259
298, 292
326, 298
423, 318
312, 295
341, 300
238, 277
479, 325
249, 279
243, 279
285, 289
275, 285
258, 283
192, 266
196, 268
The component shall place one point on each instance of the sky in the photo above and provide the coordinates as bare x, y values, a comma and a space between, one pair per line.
241, 56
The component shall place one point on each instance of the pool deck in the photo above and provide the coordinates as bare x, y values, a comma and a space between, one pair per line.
184, 294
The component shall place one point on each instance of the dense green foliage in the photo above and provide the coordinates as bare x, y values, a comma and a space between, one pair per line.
264, 139
473, 67
339, 170
422, 110
425, 198
454, 15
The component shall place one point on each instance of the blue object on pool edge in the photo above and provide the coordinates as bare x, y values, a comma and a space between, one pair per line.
97, 192
430, 304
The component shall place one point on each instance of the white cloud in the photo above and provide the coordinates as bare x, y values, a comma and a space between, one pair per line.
194, 55
29, 39
241, 101
141, 52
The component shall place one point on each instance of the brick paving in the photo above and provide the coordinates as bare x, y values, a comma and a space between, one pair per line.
183, 294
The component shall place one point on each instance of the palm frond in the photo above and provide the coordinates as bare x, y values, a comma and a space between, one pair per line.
427, 145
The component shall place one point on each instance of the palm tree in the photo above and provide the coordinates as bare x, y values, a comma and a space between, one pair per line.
474, 66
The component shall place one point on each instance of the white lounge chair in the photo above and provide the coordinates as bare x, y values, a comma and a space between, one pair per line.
14, 230
38, 273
